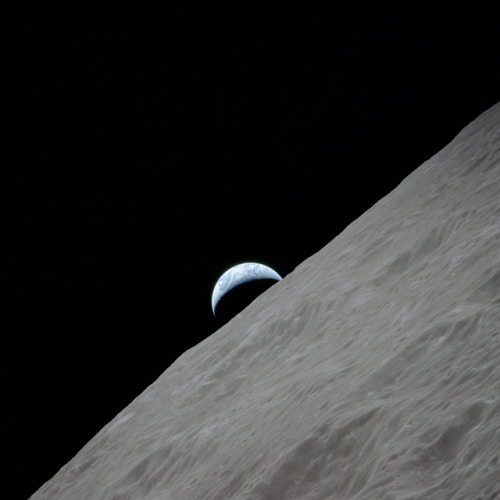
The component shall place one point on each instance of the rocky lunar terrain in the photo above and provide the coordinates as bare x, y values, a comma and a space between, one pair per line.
369, 372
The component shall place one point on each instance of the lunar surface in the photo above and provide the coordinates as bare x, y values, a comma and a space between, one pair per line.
242, 273
370, 372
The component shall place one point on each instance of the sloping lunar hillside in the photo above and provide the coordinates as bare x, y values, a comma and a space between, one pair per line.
372, 371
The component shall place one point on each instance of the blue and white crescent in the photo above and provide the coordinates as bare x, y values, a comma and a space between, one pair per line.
239, 274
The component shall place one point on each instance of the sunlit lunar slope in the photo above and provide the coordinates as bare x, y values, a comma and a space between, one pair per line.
371, 371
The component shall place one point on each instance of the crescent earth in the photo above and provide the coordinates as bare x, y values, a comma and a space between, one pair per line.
239, 274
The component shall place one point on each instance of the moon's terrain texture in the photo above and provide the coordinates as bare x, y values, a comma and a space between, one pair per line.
239, 274
372, 371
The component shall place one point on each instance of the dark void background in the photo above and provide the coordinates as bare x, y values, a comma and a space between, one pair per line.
153, 147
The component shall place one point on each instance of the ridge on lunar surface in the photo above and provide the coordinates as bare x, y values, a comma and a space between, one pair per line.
370, 371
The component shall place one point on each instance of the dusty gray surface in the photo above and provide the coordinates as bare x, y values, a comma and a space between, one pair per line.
371, 371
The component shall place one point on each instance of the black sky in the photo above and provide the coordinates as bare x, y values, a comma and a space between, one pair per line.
150, 148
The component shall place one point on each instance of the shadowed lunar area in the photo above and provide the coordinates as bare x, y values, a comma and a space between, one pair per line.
369, 372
